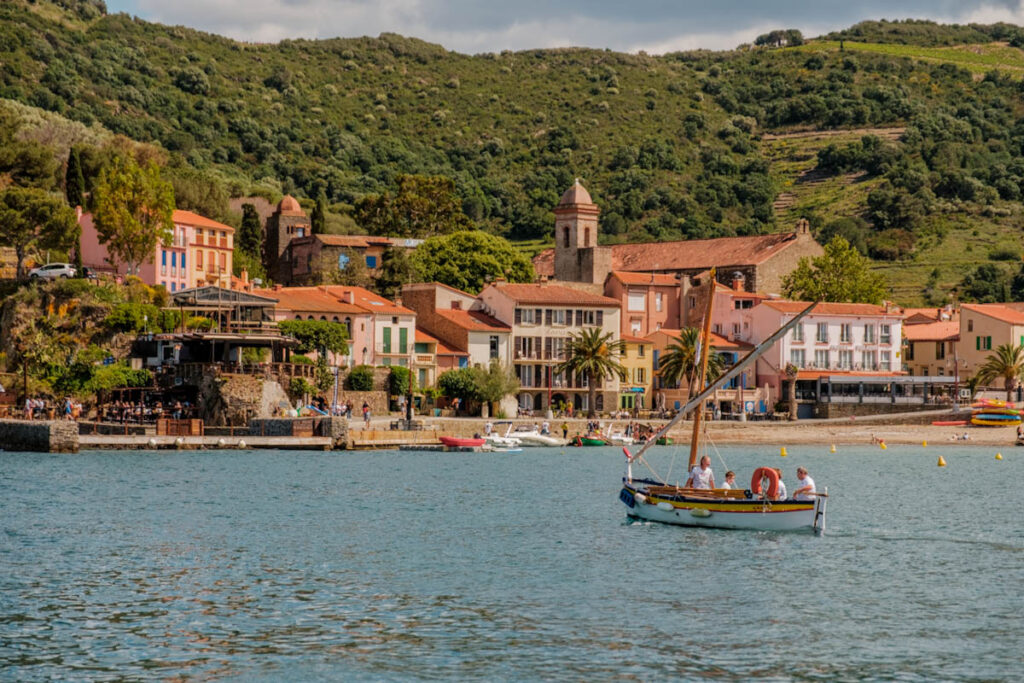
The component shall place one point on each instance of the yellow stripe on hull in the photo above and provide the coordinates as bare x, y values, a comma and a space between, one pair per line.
767, 506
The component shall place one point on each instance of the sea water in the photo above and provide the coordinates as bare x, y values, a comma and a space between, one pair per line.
394, 565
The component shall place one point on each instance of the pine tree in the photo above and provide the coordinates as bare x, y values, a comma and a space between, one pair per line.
318, 221
74, 180
250, 234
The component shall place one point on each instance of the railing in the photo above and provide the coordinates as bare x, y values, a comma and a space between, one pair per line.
424, 359
196, 371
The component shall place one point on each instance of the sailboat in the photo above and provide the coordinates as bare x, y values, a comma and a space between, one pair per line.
655, 500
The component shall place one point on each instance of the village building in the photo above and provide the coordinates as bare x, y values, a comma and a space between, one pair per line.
930, 349
650, 301
638, 360
380, 332
287, 222
762, 260
315, 258
983, 328
200, 252
455, 318
542, 317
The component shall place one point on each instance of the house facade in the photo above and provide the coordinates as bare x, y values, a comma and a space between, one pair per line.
310, 258
542, 317
455, 318
983, 328
930, 349
649, 301
638, 359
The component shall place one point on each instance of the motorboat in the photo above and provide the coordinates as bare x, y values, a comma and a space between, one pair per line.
531, 436
503, 441
461, 441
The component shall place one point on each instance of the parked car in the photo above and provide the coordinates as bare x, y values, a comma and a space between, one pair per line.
89, 273
52, 271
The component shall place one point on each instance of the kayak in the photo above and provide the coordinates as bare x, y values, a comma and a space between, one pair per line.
460, 441
949, 423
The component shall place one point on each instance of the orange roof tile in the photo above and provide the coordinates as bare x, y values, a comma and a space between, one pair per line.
828, 308
445, 350
330, 299
188, 218
475, 321
685, 254
946, 330
424, 338
720, 342
635, 340
815, 374
556, 295
658, 279
1002, 312
359, 241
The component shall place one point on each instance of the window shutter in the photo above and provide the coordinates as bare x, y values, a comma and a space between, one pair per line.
547, 346
579, 317
538, 316
519, 316
600, 318
977, 343
547, 318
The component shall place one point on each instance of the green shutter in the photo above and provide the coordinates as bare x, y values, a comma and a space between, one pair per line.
977, 343
387, 340
403, 339
988, 343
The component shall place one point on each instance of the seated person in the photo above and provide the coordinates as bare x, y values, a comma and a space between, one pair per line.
805, 488
701, 476
782, 486
730, 480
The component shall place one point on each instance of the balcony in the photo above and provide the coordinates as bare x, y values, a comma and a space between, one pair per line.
424, 359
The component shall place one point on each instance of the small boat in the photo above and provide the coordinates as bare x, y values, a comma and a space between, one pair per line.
664, 441
655, 500
619, 438
949, 423
590, 440
995, 417
532, 437
506, 441
461, 442
500, 449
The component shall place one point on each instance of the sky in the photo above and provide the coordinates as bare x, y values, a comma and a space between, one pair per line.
476, 26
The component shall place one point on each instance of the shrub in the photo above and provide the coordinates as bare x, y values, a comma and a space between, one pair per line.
360, 378
299, 359
132, 317
399, 380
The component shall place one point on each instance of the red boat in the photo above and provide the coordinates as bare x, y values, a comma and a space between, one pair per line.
460, 441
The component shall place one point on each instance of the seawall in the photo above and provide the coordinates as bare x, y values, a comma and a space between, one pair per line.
44, 436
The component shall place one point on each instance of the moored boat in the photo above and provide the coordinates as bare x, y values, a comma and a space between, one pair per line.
461, 441
664, 441
532, 437
590, 440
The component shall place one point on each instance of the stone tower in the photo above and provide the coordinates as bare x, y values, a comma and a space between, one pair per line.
577, 256
288, 221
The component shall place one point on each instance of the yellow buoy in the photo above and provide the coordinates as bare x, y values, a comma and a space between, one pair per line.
999, 456
924, 444
942, 461
882, 445
782, 452
833, 449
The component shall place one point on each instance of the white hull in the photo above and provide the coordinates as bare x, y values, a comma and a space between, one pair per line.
534, 439
502, 441
752, 515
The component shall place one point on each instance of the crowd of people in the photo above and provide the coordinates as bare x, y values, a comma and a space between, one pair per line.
138, 412
702, 477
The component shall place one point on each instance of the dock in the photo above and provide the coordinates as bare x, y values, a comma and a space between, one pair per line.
245, 442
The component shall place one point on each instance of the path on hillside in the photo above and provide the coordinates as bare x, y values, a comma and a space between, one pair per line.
892, 133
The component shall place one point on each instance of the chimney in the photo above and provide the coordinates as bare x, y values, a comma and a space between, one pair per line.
803, 227
347, 297
244, 277
278, 287
737, 281
456, 305
542, 279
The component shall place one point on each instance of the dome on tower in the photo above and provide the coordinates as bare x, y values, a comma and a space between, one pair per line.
577, 194
289, 206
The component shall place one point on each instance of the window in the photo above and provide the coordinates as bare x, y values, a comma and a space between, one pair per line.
558, 317
386, 332
869, 359
371, 261
909, 352
640, 375
886, 360
526, 375
493, 344
736, 329
565, 237
885, 333
636, 301
970, 325
403, 339
940, 350
527, 316
641, 350
163, 263
589, 317
845, 333
558, 348
983, 343
845, 359
658, 301
173, 286
342, 261
821, 358
394, 320
693, 302
183, 264
634, 326
822, 333
199, 235
199, 259
798, 333
586, 237
869, 334
796, 357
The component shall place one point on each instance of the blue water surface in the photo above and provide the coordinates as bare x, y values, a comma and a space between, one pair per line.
393, 566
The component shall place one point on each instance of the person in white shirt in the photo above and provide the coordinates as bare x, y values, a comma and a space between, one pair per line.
730, 480
805, 490
701, 476
782, 495
488, 428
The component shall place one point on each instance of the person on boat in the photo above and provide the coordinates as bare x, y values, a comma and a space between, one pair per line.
701, 476
730, 480
545, 427
488, 428
805, 488
782, 495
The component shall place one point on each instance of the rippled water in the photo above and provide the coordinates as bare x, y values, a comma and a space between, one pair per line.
386, 565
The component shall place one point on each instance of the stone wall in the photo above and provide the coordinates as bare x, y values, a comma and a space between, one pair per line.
377, 400
334, 427
50, 436
833, 410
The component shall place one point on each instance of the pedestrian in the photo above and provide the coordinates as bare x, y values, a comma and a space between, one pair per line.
565, 430
366, 414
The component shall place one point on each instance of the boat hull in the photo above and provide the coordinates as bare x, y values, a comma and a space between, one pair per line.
529, 439
459, 442
752, 515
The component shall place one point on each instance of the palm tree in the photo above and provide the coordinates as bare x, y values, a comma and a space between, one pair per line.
791, 373
596, 356
1006, 363
681, 361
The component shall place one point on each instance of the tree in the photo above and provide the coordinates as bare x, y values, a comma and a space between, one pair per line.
316, 335
396, 269
842, 274
250, 232
32, 219
467, 260
318, 221
986, 284
360, 378
1006, 363
458, 384
132, 211
74, 180
595, 355
423, 206
681, 360
791, 374
400, 381
494, 382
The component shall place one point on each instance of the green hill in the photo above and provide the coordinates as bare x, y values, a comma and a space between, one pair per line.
693, 144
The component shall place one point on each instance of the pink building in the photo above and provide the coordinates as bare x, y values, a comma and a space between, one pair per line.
176, 265
650, 301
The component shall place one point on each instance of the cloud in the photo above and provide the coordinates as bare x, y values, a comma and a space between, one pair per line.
472, 26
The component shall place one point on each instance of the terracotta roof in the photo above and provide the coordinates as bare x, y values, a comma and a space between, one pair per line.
556, 295
635, 340
828, 308
289, 206
188, 218
330, 299
361, 241
815, 374
424, 338
577, 194
628, 278
685, 254
1002, 312
445, 350
720, 342
946, 330
474, 321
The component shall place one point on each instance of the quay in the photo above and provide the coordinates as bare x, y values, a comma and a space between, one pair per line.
242, 442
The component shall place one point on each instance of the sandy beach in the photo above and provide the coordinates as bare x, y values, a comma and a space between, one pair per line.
786, 433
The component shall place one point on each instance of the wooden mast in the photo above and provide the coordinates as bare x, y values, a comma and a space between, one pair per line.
705, 351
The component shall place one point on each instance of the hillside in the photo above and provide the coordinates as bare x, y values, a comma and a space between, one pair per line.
692, 144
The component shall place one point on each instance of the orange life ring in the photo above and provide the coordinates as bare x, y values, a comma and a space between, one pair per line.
773, 482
